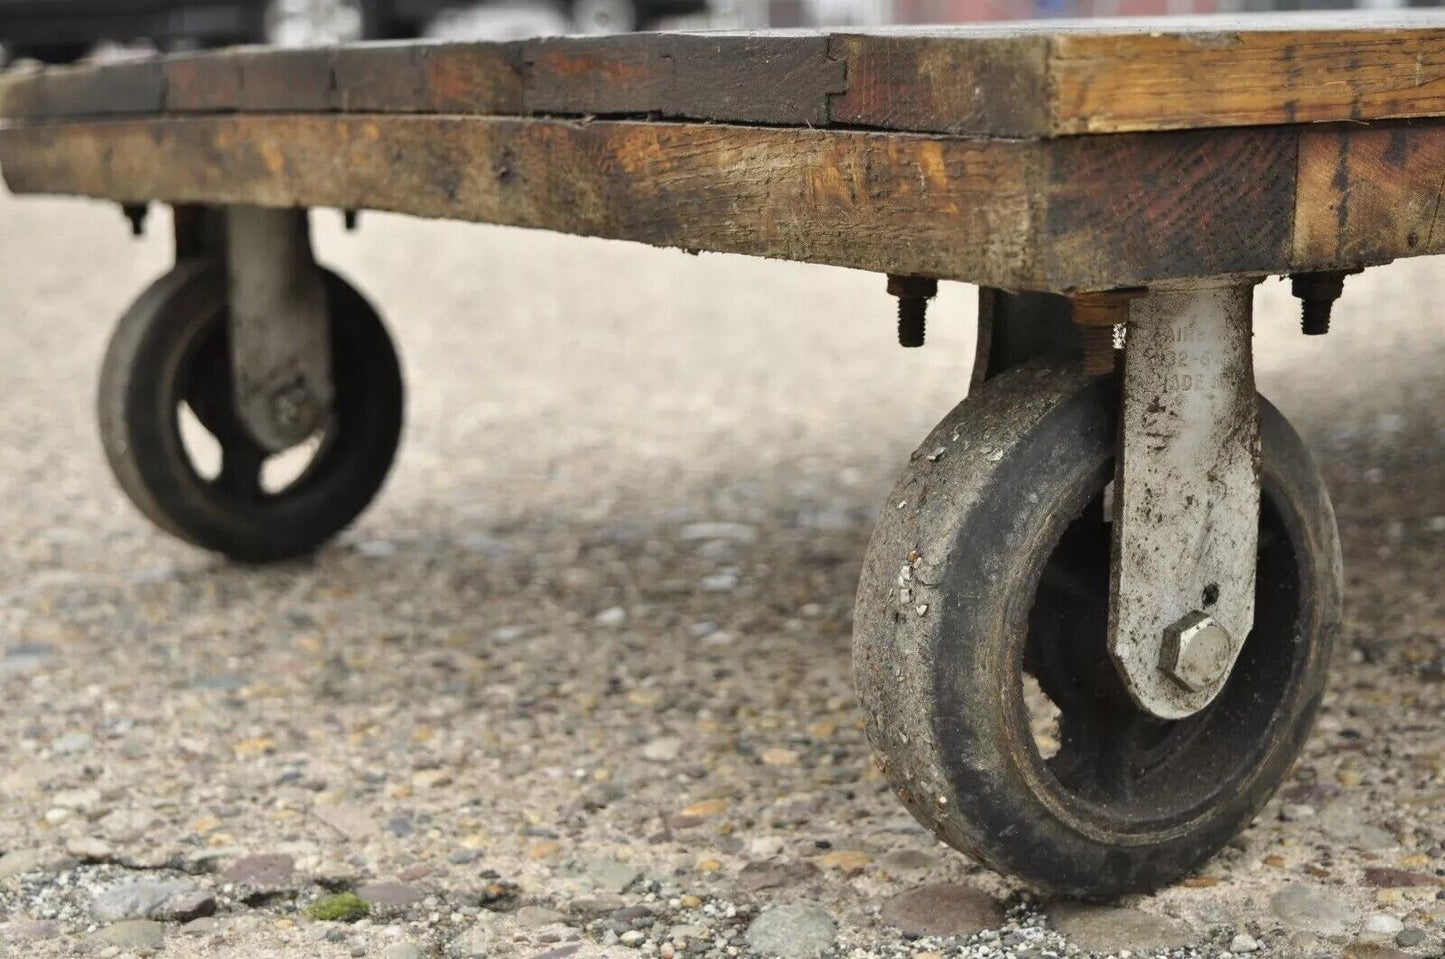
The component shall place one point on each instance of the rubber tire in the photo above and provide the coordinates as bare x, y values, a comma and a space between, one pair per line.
934, 666
137, 402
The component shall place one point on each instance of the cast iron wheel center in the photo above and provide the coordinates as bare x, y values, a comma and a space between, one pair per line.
1116, 765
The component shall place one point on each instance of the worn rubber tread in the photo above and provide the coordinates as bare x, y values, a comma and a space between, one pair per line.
979, 508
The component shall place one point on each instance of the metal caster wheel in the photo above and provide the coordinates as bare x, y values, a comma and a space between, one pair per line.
981, 653
170, 358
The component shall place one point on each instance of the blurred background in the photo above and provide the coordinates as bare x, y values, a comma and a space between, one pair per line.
66, 30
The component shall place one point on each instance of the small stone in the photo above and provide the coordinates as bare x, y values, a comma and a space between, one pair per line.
1351, 826
265, 871
663, 750
800, 930
72, 743
942, 909
848, 860
1380, 928
401, 950
534, 917
757, 876
1243, 942
632, 938
186, 906
611, 876
719, 583
1106, 929
134, 934
779, 757
1313, 909
23, 861
908, 860
611, 618
1410, 938
1389, 877
389, 895
136, 900
353, 822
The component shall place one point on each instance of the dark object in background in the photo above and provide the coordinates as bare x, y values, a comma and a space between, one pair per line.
59, 31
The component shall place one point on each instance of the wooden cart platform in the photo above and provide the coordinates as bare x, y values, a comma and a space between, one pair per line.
1054, 156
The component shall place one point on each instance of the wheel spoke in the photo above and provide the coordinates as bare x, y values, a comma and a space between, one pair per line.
240, 476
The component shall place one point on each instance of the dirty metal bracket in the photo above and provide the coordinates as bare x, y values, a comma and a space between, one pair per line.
279, 326
1186, 495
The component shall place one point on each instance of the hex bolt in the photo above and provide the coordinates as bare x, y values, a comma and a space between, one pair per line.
913, 294
1317, 293
1197, 652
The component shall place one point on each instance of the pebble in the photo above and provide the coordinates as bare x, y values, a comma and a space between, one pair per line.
942, 909
187, 906
800, 930
1410, 938
1105, 929
536, 916
1313, 909
401, 950
663, 750
1380, 928
610, 875
134, 934
266, 871
1243, 942
136, 900
22, 861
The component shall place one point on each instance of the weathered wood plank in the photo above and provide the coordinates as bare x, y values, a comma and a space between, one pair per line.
748, 79
993, 87
912, 204
1044, 79
1369, 195
1212, 203
1074, 213
1105, 84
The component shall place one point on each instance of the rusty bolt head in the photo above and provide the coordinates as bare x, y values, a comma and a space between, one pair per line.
1196, 652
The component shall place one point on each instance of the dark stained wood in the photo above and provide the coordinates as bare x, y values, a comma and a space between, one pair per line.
885, 202
1042, 79
1210, 203
780, 80
128, 87
1077, 213
964, 85
1369, 195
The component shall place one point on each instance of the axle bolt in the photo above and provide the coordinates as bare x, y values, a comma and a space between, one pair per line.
913, 294
1196, 651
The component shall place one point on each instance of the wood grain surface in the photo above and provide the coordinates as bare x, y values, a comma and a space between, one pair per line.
1044, 79
1076, 213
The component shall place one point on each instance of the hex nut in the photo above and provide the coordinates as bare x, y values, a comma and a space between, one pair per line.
1197, 651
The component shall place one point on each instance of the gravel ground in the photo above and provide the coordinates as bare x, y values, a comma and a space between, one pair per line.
578, 685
